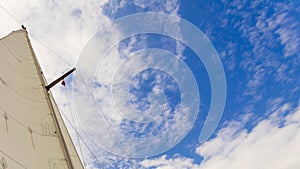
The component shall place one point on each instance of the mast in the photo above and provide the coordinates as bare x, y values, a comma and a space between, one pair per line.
46, 91
34, 135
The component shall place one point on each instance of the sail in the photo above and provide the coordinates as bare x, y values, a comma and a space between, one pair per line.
32, 132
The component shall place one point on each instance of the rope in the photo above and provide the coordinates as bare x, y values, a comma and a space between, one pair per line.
13, 53
106, 120
40, 42
94, 156
2, 35
8, 116
5, 44
9, 14
21, 165
77, 133
16, 69
134, 164
6, 124
68, 63
55, 54
73, 120
18, 93
92, 96
30, 131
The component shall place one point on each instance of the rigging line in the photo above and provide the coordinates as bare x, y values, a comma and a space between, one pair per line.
94, 99
73, 120
21, 165
134, 164
13, 53
19, 122
36, 38
52, 51
31, 131
69, 65
2, 35
129, 159
77, 133
5, 44
16, 69
90, 93
9, 14
6, 124
18, 93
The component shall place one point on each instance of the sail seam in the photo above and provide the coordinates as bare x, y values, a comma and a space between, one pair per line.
43, 82
8, 116
17, 162
10, 51
15, 68
18, 93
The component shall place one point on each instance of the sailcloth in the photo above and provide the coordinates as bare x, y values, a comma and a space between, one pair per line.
32, 132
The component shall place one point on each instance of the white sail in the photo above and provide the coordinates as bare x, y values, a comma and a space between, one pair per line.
32, 132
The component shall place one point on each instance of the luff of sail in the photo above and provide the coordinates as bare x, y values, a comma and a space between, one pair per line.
32, 132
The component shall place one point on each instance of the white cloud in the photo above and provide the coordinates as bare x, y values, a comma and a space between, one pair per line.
164, 163
106, 77
167, 6
54, 24
64, 27
272, 144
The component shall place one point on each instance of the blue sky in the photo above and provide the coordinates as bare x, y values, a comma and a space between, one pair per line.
258, 43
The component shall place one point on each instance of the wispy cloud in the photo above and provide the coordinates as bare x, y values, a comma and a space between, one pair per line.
264, 48
272, 143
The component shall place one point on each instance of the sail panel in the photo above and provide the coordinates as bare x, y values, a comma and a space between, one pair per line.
29, 137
